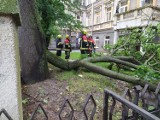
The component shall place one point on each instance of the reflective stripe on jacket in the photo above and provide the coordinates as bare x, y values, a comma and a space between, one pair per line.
84, 43
67, 45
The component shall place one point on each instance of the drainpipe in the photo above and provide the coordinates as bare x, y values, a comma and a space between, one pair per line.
92, 19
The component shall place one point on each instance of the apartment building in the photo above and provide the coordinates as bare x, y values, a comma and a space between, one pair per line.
134, 13
98, 19
106, 20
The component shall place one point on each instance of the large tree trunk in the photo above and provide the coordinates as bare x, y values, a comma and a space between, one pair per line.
32, 45
88, 64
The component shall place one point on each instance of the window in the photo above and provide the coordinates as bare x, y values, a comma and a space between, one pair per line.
148, 1
89, 20
89, 2
97, 17
97, 41
108, 14
145, 2
123, 7
78, 17
83, 2
106, 40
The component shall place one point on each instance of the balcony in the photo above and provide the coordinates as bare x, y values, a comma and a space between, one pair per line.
137, 17
104, 25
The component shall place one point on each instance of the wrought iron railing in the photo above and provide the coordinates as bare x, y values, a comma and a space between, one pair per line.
39, 107
129, 101
5, 113
71, 115
130, 109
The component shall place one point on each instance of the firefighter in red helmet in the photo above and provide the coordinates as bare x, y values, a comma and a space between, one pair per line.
92, 45
84, 44
68, 47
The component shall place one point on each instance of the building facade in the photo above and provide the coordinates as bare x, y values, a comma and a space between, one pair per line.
134, 13
106, 20
98, 19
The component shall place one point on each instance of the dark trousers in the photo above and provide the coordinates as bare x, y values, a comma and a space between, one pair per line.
59, 52
84, 51
67, 54
84, 54
90, 53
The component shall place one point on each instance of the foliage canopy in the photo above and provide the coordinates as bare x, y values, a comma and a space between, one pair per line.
55, 15
9, 6
143, 45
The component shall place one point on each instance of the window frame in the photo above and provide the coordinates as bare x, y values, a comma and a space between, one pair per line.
108, 14
106, 39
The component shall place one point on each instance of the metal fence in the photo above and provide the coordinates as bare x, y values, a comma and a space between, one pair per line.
137, 112
130, 109
129, 101
5, 113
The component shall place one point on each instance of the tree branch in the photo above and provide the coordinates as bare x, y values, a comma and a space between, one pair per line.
58, 62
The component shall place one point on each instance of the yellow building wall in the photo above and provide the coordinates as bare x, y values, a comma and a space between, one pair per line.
138, 3
154, 2
128, 5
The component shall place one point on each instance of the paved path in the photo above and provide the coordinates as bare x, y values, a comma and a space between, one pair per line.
63, 50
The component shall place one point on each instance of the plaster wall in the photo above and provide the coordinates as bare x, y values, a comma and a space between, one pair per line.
102, 35
10, 87
128, 23
158, 3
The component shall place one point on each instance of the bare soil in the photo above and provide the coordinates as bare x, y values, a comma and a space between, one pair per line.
51, 94
48, 93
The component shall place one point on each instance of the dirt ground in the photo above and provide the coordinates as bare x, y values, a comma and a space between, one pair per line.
51, 94
48, 93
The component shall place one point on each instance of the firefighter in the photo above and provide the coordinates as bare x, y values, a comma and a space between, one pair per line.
84, 44
92, 45
68, 47
59, 45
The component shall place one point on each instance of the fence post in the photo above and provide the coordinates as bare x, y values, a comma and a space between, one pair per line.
105, 106
10, 82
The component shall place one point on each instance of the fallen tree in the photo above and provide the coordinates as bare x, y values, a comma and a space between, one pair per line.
88, 64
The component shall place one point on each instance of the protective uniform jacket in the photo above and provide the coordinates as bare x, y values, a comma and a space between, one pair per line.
59, 44
59, 47
84, 43
91, 43
67, 45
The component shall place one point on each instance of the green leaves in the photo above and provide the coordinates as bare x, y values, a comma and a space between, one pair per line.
9, 6
146, 73
140, 43
158, 52
55, 15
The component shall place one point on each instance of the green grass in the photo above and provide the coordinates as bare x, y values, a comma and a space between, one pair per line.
9, 6
89, 79
88, 82
73, 55
80, 83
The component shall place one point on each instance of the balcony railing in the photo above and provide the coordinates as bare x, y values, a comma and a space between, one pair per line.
128, 15
143, 13
100, 26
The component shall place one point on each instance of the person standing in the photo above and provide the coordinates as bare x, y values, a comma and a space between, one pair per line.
59, 45
68, 47
92, 46
84, 44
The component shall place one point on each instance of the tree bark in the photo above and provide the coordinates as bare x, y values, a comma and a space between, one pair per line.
58, 62
88, 64
32, 45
